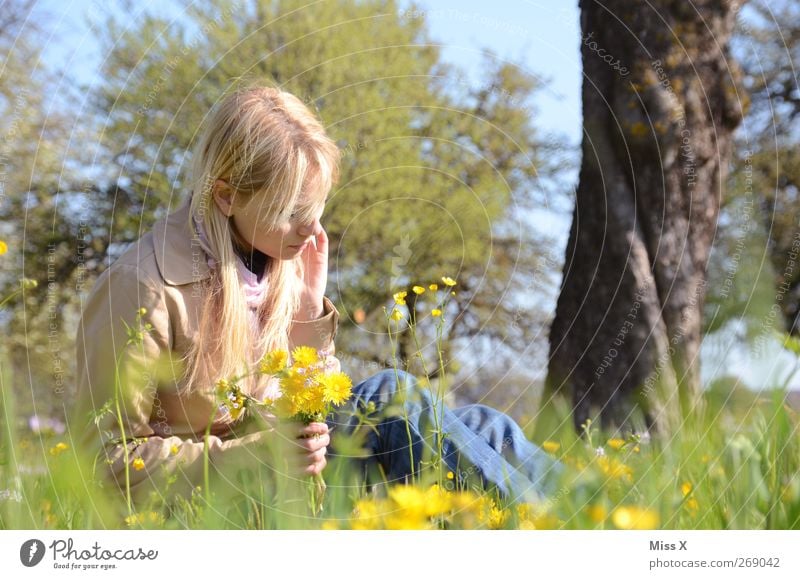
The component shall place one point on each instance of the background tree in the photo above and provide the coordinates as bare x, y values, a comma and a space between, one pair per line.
660, 100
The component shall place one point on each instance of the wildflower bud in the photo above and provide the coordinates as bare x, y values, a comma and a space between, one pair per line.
28, 283
141, 311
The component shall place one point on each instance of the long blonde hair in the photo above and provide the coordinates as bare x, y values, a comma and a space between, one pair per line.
270, 148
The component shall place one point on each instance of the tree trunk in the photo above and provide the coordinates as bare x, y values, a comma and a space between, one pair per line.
660, 101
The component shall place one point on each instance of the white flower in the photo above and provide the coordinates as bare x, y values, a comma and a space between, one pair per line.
600, 451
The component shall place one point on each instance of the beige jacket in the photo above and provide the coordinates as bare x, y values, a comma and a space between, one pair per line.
161, 272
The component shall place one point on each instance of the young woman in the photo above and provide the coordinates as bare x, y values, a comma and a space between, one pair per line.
238, 270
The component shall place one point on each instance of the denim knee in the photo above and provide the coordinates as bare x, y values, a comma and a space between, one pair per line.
497, 428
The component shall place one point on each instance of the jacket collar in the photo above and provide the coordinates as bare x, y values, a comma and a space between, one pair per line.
179, 256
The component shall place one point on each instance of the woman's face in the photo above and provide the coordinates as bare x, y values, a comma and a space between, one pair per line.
286, 242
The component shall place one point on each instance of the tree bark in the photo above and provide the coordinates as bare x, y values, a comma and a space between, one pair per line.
660, 101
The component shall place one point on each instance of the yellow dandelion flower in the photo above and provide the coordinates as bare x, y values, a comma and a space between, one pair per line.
138, 463
436, 312
614, 469
336, 387
3, 247
173, 449
410, 499
615, 443
367, 515
397, 315
448, 281
132, 520
635, 518
58, 448
273, 362
692, 505
330, 526
311, 400
292, 382
437, 501
433, 287
418, 289
222, 386
400, 298
305, 356
597, 513
551, 446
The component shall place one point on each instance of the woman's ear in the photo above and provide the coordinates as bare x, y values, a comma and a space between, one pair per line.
223, 197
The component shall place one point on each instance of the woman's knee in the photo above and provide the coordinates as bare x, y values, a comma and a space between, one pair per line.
496, 427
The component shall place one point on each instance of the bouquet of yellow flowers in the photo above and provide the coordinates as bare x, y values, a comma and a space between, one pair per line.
308, 392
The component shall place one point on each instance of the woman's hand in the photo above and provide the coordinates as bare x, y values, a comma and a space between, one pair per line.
312, 442
315, 278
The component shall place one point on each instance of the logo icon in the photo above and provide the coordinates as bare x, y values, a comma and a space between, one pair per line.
31, 552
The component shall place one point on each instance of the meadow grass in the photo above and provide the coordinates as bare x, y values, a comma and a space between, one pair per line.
726, 467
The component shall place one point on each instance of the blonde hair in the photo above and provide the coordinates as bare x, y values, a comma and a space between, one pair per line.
270, 148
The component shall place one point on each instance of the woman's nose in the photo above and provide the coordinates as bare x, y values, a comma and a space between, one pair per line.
309, 229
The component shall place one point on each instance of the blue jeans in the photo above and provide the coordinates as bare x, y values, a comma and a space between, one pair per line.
479, 440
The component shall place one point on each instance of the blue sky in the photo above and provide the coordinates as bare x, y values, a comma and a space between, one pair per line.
542, 37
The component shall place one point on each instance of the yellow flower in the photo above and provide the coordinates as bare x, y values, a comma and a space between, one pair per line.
292, 382
612, 468
450, 475
311, 400
273, 362
173, 449
330, 526
597, 513
436, 313
616, 443
448, 281
491, 514
397, 315
367, 515
3, 247
400, 298
433, 287
138, 463
139, 518
222, 386
551, 446
336, 387
418, 289
305, 356
635, 518
58, 449
686, 488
